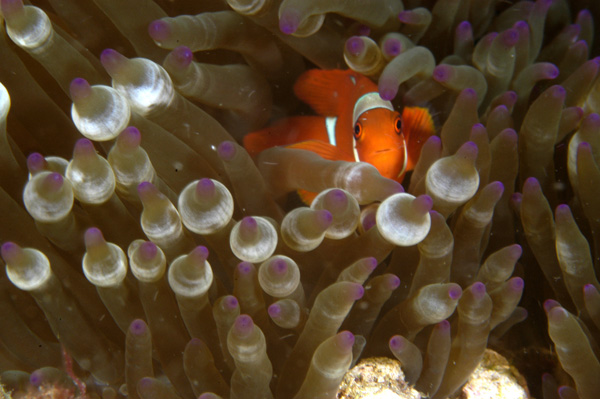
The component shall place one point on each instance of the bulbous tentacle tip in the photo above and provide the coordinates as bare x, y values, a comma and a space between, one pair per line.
397, 343
323, 218
11, 8
36, 378
289, 20
145, 384
422, 204
531, 185
205, 188
387, 91
358, 292
159, 30
93, 238
455, 292
478, 290
393, 282
278, 266
243, 325
442, 73
345, 340
464, 28
515, 251
405, 17
557, 315
53, 182
355, 45
245, 268
129, 138
35, 162
147, 191
199, 254
227, 150
509, 37
468, 151
83, 148
371, 263
112, 61
148, 250
392, 47
516, 284
274, 310
550, 304
443, 325
138, 327
557, 92
562, 213
589, 289
181, 57
231, 302
79, 89
10, 251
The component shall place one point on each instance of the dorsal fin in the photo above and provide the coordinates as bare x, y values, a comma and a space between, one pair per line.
325, 150
417, 125
332, 92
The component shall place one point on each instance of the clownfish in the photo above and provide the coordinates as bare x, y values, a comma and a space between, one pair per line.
354, 124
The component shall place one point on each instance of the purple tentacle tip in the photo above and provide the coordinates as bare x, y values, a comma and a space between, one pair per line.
278, 266
9, 250
406, 17
397, 342
369, 221
442, 73
464, 29
355, 45
345, 339
243, 325
392, 47
205, 187
138, 327
200, 253
274, 310
79, 89
245, 267
371, 263
359, 292
230, 302
226, 150
183, 56
35, 162
288, 22
323, 218
478, 290
510, 37
455, 292
53, 182
393, 282
516, 284
159, 30
387, 92
36, 378
148, 250
550, 304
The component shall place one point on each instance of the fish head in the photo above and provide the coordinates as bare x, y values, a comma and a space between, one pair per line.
379, 140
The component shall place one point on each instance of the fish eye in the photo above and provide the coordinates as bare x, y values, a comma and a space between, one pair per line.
357, 130
398, 125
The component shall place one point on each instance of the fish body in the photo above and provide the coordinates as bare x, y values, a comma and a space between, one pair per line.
353, 124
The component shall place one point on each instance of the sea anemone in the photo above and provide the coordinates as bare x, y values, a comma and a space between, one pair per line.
149, 255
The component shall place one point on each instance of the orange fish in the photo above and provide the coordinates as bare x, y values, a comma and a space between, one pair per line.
356, 124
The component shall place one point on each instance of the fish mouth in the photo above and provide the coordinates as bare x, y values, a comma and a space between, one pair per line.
384, 150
